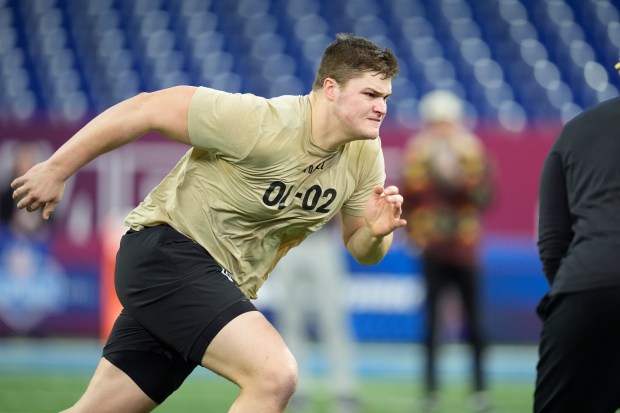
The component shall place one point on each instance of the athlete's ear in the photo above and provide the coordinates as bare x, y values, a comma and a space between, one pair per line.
330, 88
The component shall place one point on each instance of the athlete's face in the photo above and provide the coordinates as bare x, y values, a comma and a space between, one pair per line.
361, 105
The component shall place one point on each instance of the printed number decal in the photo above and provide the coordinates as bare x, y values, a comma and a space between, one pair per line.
279, 188
330, 194
278, 193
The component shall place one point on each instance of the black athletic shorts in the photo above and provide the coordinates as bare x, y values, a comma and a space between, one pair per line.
175, 299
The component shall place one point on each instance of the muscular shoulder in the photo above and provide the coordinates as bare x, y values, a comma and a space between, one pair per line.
288, 112
364, 148
598, 121
231, 124
365, 158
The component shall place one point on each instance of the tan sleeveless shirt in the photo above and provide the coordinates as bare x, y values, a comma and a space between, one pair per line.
253, 185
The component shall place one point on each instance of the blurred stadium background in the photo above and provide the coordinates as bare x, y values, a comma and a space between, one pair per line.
524, 67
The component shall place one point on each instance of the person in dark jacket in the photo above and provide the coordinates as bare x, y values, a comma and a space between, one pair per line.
579, 246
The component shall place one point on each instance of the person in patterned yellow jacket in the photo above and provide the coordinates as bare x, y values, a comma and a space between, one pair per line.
447, 184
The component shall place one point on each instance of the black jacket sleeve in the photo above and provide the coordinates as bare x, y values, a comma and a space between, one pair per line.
554, 218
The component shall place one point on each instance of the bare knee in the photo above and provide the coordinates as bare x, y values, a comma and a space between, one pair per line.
251, 353
277, 380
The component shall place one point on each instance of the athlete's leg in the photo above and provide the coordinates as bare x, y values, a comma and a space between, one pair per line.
111, 390
250, 352
179, 304
136, 373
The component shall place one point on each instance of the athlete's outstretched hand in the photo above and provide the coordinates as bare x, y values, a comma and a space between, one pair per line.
383, 210
40, 187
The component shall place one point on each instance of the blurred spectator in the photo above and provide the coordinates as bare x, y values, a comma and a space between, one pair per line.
446, 186
578, 243
32, 283
313, 293
25, 155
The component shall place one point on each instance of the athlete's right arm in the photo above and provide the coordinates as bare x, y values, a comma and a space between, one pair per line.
164, 111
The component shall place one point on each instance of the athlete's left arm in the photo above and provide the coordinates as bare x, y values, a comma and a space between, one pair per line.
369, 237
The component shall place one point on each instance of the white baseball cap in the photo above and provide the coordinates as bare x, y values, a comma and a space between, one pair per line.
441, 106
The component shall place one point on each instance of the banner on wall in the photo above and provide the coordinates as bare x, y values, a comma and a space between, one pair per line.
67, 290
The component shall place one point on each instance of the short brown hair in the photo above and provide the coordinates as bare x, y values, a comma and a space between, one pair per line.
349, 56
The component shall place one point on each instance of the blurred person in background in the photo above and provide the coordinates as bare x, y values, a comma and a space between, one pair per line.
447, 184
313, 281
579, 243
26, 154
259, 177
32, 282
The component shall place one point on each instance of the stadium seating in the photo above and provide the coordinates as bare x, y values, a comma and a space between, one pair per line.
513, 61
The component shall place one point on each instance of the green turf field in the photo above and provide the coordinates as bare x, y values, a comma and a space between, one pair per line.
52, 393
48, 376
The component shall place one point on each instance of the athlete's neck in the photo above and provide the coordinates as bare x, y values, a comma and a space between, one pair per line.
324, 130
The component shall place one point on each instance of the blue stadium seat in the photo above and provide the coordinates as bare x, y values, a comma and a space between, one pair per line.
72, 57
